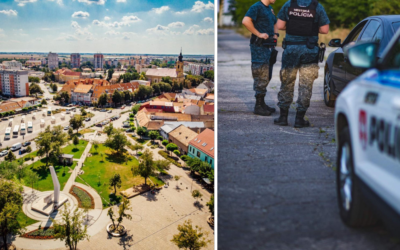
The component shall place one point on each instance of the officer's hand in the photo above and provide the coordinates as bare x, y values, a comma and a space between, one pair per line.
263, 35
275, 36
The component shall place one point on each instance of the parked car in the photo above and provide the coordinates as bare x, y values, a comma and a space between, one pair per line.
126, 125
3, 153
103, 110
110, 111
27, 143
367, 126
66, 127
129, 130
99, 125
87, 119
338, 70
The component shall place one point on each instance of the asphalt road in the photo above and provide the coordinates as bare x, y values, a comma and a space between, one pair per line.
276, 185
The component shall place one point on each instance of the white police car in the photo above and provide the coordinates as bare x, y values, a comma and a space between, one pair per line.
367, 120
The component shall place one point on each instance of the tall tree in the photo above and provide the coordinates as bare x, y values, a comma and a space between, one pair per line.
117, 141
189, 237
117, 97
10, 156
50, 141
10, 206
70, 227
103, 99
109, 130
141, 131
76, 122
109, 74
115, 182
35, 89
146, 166
153, 135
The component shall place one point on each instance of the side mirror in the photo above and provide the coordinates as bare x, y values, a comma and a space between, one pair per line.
363, 55
335, 42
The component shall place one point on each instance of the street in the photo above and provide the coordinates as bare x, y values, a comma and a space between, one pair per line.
276, 185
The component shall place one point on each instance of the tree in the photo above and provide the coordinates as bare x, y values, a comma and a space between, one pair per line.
146, 166
32, 177
109, 130
10, 206
177, 177
209, 74
109, 74
141, 131
171, 147
162, 164
50, 141
117, 141
103, 99
123, 207
8, 169
110, 213
28, 149
35, 89
70, 132
135, 109
165, 142
10, 156
83, 111
137, 147
76, 122
189, 237
54, 87
75, 140
44, 102
69, 228
177, 152
153, 135
33, 79
95, 145
196, 194
210, 205
117, 97
115, 181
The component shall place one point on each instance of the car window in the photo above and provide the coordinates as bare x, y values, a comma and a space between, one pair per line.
370, 31
396, 26
378, 35
355, 33
392, 60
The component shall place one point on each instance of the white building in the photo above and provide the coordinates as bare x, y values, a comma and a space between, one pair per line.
15, 65
53, 60
98, 61
199, 69
14, 82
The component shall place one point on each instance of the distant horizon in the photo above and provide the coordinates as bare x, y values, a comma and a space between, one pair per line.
89, 53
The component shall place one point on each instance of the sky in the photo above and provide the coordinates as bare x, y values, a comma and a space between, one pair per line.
107, 26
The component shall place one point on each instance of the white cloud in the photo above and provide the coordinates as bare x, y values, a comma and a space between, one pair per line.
175, 33
161, 9
126, 21
208, 20
176, 25
130, 19
128, 35
80, 14
180, 12
112, 33
59, 2
99, 23
23, 2
75, 25
121, 1
159, 29
99, 2
1, 30
199, 6
192, 29
205, 32
106, 18
126, 38
65, 37
83, 32
9, 12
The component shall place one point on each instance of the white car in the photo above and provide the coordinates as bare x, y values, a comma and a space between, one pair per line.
3, 153
367, 120
66, 127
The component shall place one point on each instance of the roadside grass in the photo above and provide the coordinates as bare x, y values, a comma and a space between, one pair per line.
85, 131
77, 150
101, 165
27, 157
45, 182
25, 220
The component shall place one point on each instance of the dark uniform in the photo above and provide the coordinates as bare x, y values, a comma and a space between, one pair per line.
263, 19
303, 20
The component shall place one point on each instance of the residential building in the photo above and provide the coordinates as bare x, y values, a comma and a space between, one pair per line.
198, 68
65, 75
14, 82
110, 89
75, 60
39, 74
32, 63
167, 128
141, 82
202, 147
197, 127
98, 61
15, 65
156, 75
181, 136
206, 85
209, 98
207, 110
52, 61
82, 93
17, 104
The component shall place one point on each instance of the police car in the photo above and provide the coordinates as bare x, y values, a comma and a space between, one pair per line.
367, 120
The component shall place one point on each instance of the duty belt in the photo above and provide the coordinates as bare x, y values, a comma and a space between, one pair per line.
269, 43
310, 45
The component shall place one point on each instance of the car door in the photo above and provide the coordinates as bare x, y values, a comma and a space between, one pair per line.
338, 69
372, 32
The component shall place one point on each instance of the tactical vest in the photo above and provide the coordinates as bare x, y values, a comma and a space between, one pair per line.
302, 19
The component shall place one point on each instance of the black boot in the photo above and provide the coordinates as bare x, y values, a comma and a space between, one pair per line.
282, 119
259, 109
265, 106
300, 122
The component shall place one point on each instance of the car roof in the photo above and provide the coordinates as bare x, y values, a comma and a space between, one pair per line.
386, 17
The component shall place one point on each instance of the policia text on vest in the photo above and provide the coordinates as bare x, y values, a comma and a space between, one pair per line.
260, 20
303, 20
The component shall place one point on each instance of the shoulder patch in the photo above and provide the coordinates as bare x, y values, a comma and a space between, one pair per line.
272, 10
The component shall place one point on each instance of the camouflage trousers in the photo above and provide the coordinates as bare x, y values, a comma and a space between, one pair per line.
295, 60
260, 73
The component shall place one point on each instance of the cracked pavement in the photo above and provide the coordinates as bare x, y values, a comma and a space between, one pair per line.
276, 185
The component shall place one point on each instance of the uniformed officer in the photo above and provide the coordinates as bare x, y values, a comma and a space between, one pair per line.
303, 20
260, 20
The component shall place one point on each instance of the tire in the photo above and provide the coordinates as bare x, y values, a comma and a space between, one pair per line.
329, 98
354, 212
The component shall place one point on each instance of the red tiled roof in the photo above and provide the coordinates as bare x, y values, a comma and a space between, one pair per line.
208, 108
204, 142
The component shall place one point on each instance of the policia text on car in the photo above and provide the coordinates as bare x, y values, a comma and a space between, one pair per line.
260, 20
303, 20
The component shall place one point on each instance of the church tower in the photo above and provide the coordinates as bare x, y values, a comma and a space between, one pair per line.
179, 67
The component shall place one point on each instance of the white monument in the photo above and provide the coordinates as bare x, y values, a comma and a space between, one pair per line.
51, 202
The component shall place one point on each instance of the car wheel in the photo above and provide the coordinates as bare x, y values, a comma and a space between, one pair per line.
354, 211
329, 98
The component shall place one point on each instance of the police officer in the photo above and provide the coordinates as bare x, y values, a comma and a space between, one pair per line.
260, 20
303, 20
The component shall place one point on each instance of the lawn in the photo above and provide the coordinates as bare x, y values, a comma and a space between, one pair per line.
27, 157
99, 168
141, 141
76, 150
25, 220
45, 182
85, 131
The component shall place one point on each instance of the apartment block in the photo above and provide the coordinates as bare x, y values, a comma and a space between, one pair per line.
98, 61
14, 83
15, 65
75, 60
52, 60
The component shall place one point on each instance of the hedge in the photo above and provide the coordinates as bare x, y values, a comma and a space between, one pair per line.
166, 156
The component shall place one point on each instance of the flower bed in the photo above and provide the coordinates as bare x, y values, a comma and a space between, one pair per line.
46, 233
85, 200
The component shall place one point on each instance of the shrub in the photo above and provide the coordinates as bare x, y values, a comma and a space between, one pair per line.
177, 152
166, 156
185, 157
131, 115
139, 153
131, 119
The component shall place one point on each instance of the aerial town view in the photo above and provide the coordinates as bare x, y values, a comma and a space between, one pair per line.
106, 124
